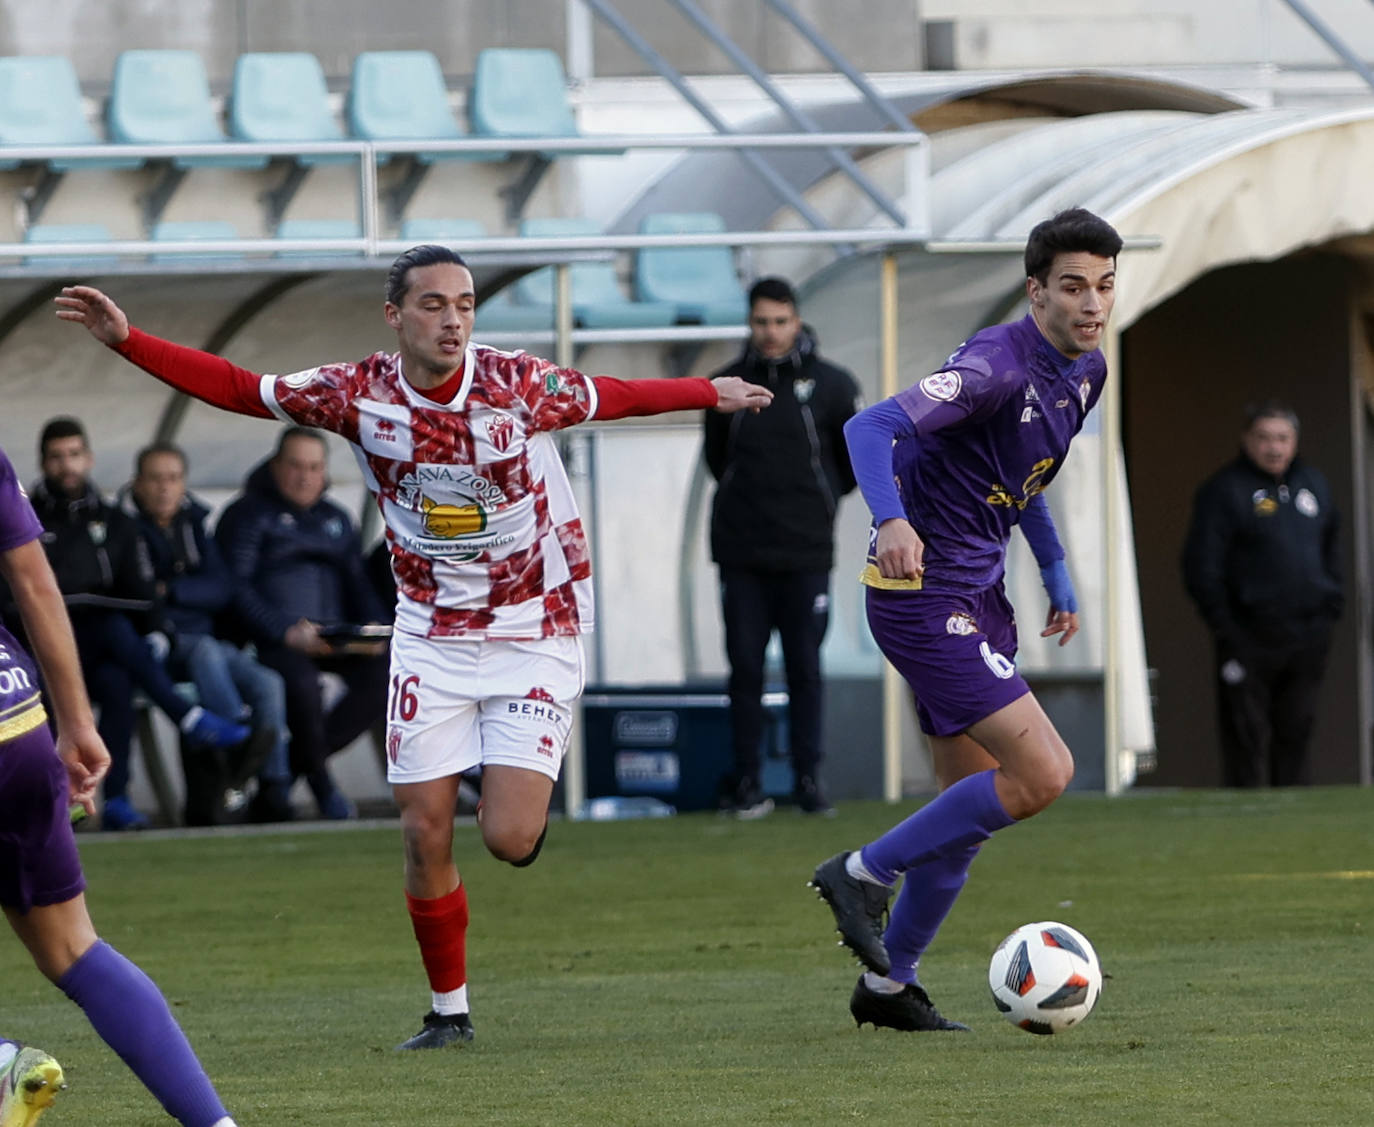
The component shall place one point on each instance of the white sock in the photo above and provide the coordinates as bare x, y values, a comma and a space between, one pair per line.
187, 723
225, 1122
454, 1002
855, 867
880, 985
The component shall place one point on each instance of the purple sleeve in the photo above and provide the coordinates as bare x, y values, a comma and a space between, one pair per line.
1038, 528
869, 436
18, 524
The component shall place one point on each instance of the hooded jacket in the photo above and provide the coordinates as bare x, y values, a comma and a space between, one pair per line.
780, 473
290, 563
1262, 557
193, 580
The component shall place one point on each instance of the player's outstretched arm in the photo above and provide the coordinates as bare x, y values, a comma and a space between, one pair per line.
734, 394
209, 378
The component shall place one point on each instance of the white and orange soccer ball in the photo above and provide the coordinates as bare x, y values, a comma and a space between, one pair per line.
1045, 977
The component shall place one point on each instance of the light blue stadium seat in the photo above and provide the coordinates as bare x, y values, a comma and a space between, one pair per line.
282, 97
500, 314
401, 96
318, 229
193, 229
446, 232
700, 281
68, 233
163, 97
597, 299
522, 92
40, 104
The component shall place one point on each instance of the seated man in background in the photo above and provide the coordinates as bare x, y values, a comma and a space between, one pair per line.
299, 577
103, 572
193, 585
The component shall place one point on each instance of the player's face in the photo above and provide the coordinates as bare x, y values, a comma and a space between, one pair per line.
67, 463
300, 471
160, 486
433, 323
1073, 304
773, 327
1271, 444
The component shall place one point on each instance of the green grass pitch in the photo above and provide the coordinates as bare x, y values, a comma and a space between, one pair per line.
678, 972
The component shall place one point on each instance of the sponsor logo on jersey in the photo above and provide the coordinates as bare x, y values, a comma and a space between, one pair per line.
448, 522
500, 430
1032, 396
462, 483
537, 693
1306, 503
961, 624
1035, 483
942, 386
803, 390
1265, 506
1061, 404
384, 430
536, 709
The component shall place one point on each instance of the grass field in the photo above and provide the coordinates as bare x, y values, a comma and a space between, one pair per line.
678, 971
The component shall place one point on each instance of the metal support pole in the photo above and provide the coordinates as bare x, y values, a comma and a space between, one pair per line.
1111, 510
766, 171
574, 764
799, 117
1331, 39
581, 61
893, 694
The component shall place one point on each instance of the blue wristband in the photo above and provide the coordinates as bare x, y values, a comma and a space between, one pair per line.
1055, 576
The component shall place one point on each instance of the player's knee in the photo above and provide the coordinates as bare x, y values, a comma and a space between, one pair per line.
428, 840
1049, 782
516, 845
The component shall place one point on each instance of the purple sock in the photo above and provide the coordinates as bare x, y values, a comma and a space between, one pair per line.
928, 893
129, 1012
968, 813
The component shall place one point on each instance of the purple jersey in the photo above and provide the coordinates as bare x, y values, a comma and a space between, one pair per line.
21, 707
992, 429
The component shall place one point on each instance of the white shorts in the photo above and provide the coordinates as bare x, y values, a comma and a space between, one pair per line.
454, 705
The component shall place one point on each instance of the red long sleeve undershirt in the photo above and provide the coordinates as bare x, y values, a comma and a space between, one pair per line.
216, 381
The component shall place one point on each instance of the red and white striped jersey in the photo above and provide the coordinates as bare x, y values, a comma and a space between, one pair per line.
485, 536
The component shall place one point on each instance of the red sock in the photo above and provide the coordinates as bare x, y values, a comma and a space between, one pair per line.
441, 929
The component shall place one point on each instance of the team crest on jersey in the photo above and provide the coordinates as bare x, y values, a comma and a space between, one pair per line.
961, 624
500, 430
97, 531
393, 743
1083, 389
942, 386
1306, 503
803, 390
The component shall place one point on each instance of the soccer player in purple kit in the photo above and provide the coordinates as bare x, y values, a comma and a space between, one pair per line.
948, 467
42, 889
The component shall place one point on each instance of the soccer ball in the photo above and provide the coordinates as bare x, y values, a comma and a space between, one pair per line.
1045, 977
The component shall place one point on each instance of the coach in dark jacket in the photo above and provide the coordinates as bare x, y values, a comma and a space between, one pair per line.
780, 474
1262, 564
298, 569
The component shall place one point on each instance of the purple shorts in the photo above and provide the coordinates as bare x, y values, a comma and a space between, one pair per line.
39, 864
956, 651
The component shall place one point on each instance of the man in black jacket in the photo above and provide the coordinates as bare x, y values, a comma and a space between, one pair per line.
1262, 563
780, 474
298, 567
106, 580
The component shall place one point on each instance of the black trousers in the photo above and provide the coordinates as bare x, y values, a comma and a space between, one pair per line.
1267, 703
797, 606
315, 733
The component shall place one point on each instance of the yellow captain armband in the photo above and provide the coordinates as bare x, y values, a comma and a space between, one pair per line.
872, 577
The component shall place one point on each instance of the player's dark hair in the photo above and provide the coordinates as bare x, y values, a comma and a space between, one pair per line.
1074, 230
427, 254
159, 447
772, 289
64, 426
289, 433
1271, 409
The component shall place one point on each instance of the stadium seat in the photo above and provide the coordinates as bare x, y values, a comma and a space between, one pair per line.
318, 229
162, 97
499, 314
281, 97
68, 233
598, 301
40, 104
700, 281
401, 96
193, 229
519, 92
447, 232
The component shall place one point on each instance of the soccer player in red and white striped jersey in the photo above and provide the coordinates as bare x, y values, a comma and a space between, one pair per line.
493, 575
